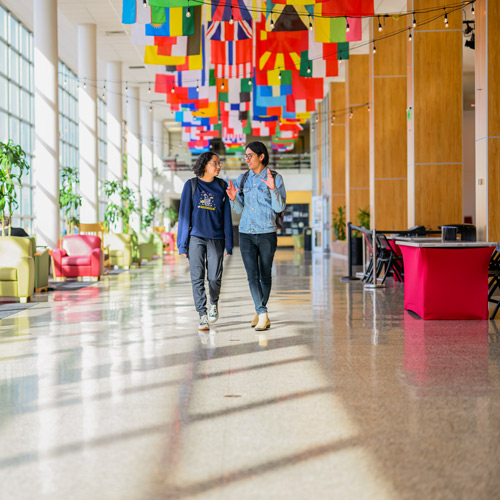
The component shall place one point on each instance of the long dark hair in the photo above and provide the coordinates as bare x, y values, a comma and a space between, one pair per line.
259, 148
201, 163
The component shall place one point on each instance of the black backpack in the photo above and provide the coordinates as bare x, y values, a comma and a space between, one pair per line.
194, 185
280, 215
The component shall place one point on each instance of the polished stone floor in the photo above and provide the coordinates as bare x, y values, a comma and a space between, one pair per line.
109, 392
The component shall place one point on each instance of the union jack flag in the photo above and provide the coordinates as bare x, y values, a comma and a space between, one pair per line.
223, 31
238, 10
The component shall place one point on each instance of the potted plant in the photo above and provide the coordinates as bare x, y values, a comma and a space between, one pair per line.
154, 205
69, 198
172, 215
339, 224
123, 211
13, 166
363, 219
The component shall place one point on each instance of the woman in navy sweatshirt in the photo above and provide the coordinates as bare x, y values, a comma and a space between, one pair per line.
205, 228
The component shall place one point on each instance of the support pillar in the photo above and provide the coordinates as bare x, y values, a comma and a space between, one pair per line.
434, 119
114, 129
338, 144
134, 152
46, 160
357, 140
487, 120
87, 130
146, 156
387, 118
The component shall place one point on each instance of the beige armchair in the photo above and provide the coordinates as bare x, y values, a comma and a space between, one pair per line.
17, 269
120, 249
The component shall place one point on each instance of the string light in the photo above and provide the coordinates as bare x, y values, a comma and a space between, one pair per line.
103, 90
351, 114
312, 128
374, 49
172, 90
272, 22
347, 29
145, 3
149, 90
310, 24
231, 21
126, 86
414, 21
473, 11
222, 86
150, 109
445, 19
340, 60
317, 119
197, 87
188, 12
379, 25
333, 119
409, 35
369, 108
308, 70
249, 81
279, 76
84, 85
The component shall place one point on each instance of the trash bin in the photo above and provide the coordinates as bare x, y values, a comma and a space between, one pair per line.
467, 232
307, 239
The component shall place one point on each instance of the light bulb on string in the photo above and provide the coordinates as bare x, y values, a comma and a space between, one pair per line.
279, 76
414, 21
340, 60
149, 90
145, 3
222, 86
409, 36
333, 119
473, 12
150, 109
347, 28
308, 70
310, 24
312, 128
231, 21
172, 90
369, 108
188, 12
249, 81
84, 85
351, 114
445, 19
379, 25
272, 22
317, 118
374, 49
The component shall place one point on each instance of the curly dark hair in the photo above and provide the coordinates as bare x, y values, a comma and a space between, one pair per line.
259, 148
201, 163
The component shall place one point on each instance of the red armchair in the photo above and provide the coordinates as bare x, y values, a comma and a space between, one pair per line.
80, 256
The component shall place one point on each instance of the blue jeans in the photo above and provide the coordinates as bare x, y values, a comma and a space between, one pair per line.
257, 252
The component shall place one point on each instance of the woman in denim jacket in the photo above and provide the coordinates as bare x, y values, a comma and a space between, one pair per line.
259, 201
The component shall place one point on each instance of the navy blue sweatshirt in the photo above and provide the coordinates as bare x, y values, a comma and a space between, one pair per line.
207, 214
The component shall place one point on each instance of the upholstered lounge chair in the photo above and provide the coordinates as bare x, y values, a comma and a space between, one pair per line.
120, 249
17, 269
80, 256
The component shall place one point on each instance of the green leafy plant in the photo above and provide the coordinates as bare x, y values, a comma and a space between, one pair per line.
172, 215
339, 224
70, 200
123, 211
154, 205
13, 166
364, 218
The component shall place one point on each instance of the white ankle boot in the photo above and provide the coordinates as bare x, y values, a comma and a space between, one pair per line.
264, 323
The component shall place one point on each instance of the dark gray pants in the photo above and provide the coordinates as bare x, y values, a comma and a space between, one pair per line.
208, 254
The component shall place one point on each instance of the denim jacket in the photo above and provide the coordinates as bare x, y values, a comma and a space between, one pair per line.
259, 205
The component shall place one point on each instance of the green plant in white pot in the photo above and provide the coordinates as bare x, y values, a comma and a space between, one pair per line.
70, 200
13, 166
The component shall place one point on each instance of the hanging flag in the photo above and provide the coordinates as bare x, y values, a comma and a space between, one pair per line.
334, 29
287, 17
225, 31
238, 10
173, 23
232, 59
355, 8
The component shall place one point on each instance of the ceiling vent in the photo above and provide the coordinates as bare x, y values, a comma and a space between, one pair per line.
115, 33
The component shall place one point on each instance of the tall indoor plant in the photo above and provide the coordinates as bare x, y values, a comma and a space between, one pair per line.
70, 200
119, 211
13, 166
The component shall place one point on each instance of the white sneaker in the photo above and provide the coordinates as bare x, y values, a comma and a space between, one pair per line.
203, 323
213, 313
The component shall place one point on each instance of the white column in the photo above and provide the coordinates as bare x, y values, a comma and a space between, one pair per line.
114, 129
46, 161
147, 155
133, 151
158, 164
87, 130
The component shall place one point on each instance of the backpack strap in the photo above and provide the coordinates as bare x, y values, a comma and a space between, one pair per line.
194, 185
242, 183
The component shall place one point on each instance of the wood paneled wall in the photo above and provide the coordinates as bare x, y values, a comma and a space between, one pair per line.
435, 90
388, 136
337, 135
357, 138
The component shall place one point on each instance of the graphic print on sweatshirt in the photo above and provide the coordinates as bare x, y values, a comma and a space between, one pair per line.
207, 200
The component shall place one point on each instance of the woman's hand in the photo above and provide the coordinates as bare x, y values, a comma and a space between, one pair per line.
270, 180
231, 191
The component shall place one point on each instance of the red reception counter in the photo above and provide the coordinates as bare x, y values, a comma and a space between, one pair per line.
446, 280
